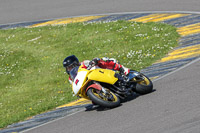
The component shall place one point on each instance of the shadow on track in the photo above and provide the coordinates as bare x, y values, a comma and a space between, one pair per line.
128, 99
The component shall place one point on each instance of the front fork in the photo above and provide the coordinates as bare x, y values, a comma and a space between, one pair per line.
126, 85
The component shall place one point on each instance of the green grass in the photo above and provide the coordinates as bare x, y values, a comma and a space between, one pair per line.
32, 79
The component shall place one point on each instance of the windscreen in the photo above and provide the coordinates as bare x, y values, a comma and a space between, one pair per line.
73, 73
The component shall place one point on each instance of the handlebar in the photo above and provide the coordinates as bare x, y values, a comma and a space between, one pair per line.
90, 66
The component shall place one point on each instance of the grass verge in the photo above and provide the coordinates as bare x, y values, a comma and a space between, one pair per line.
32, 79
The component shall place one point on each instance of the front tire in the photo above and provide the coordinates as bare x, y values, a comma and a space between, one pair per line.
97, 98
145, 86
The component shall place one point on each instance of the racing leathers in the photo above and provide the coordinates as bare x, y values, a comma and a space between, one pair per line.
105, 63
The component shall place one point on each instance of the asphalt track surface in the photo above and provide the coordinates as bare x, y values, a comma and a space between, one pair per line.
13, 11
173, 107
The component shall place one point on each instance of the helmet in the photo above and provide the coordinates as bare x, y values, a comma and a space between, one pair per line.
70, 62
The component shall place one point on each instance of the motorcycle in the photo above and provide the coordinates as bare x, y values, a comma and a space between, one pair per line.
106, 87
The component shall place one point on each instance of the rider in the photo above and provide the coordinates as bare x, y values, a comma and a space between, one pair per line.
107, 63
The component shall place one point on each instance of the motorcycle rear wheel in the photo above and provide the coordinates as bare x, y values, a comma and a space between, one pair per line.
95, 96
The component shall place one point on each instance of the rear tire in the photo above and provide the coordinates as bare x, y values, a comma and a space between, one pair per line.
103, 102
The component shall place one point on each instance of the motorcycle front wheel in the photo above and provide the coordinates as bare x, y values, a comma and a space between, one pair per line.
144, 86
109, 100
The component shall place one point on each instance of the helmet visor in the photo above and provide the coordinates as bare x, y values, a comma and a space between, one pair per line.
71, 66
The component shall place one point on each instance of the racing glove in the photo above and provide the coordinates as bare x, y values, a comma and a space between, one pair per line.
121, 71
124, 71
94, 62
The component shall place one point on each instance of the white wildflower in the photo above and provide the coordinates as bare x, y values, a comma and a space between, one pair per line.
34, 39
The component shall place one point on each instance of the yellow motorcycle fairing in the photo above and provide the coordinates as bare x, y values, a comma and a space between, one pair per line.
103, 75
99, 75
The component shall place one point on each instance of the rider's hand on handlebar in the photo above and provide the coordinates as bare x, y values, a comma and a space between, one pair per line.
122, 73
91, 64
94, 62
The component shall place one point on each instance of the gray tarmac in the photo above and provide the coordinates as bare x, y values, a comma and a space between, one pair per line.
13, 11
172, 108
